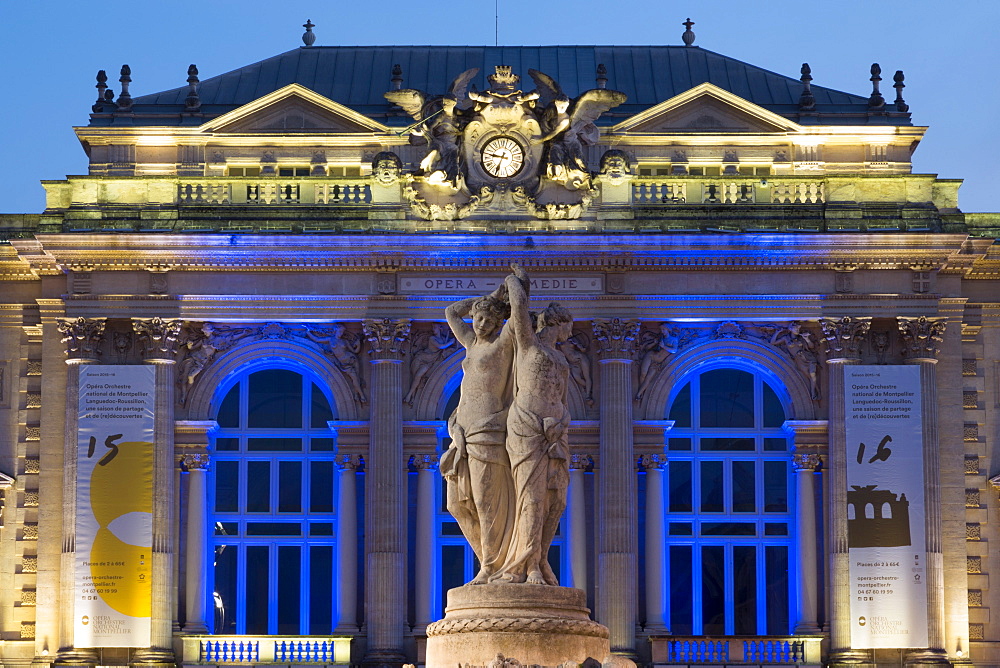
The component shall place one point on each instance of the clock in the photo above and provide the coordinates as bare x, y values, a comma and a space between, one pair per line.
502, 157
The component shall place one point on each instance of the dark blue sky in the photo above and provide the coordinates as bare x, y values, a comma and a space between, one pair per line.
51, 50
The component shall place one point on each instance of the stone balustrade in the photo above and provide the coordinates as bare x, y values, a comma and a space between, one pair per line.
245, 650
736, 650
675, 190
352, 191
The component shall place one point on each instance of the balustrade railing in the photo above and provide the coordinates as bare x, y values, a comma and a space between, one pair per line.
274, 192
737, 650
246, 650
714, 190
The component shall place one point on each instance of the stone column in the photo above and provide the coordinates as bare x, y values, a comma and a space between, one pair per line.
197, 549
617, 497
577, 515
921, 337
347, 543
385, 500
426, 466
843, 341
83, 338
191, 441
656, 594
807, 465
158, 341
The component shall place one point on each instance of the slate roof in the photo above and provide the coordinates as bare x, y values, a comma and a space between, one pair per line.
357, 76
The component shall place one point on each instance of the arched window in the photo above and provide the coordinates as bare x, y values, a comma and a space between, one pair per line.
273, 502
729, 509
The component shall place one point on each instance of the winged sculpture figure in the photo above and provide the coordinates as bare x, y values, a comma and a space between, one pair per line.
569, 125
441, 120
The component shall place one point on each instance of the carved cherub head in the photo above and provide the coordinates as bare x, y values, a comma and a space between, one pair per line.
386, 168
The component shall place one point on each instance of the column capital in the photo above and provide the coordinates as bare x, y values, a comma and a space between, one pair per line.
844, 337
158, 337
615, 338
424, 462
387, 338
82, 336
350, 462
195, 462
921, 337
580, 462
652, 462
806, 461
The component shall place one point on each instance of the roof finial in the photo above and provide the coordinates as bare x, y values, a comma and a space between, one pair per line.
899, 86
602, 76
102, 78
192, 102
308, 37
397, 77
807, 101
688, 36
124, 99
876, 102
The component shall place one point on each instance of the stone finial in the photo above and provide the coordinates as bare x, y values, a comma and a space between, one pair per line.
308, 37
688, 36
192, 102
387, 338
602, 76
807, 101
124, 99
82, 336
158, 337
921, 336
876, 102
615, 338
844, 337
899, 86
102, 85
396, 82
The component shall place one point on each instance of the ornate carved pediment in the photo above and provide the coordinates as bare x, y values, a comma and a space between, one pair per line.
706, 108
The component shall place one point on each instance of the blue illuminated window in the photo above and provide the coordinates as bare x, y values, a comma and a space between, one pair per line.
273, 502
730, 514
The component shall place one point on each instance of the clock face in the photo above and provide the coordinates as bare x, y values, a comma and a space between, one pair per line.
502, 157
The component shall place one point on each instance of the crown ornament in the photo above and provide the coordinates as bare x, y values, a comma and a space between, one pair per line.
503, 79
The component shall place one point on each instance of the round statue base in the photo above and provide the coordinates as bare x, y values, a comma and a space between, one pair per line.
532, 624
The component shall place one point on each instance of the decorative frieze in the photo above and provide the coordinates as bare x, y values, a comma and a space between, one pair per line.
82, 336
29, 564
845, 336
921, 336
387, 338
973, 531
158, 337
970, 400
615, 338
974, 565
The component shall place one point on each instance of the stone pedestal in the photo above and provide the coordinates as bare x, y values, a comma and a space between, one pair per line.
535, 624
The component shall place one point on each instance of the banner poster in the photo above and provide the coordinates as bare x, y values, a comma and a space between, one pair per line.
114, 506
885, 507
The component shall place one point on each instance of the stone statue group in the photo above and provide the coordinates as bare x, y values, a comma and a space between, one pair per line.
507, 468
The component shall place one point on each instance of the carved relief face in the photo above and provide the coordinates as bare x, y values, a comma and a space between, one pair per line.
386, 171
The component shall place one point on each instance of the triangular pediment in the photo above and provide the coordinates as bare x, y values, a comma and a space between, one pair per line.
707, 109
293, 109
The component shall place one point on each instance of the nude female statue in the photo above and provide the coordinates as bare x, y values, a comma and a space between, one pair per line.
476, 466
537, 434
